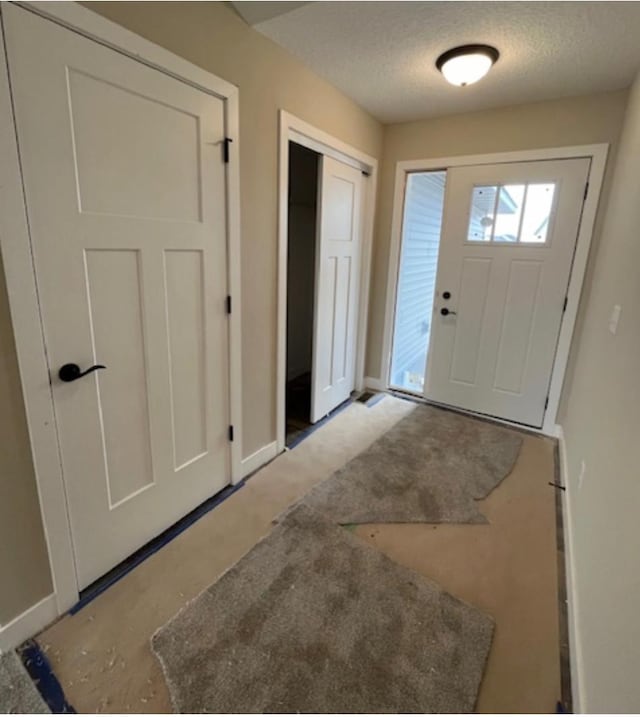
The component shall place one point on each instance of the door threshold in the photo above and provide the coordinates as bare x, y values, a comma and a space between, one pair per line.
91, 592
522, 427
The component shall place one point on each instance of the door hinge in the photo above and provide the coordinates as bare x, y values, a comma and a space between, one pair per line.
231, 433
225, 149
228, 304
586, 190
546, 403
564, 306
365, 174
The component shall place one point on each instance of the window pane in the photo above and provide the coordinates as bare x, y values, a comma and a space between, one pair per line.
481, 220
537, 211
508, 213
424, 201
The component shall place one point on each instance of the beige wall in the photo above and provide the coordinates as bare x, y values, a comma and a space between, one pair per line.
24, 563
211, 35
602, 428
573, 121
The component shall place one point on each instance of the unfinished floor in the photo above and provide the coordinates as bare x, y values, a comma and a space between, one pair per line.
102, 655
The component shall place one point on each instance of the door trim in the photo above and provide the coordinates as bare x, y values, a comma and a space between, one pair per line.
291, 128
15, 245
598, 155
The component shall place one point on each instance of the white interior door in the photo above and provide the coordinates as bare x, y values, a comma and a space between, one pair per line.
338, 249
125, 190
508, 238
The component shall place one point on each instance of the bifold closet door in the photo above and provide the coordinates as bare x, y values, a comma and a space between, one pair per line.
338, 250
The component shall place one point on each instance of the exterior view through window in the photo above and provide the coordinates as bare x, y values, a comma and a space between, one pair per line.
511, 213
422, 222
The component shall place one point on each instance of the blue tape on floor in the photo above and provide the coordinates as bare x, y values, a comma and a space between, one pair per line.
40, 671
91, 593
308, 431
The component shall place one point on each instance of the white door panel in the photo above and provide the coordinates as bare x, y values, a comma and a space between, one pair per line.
125, 190
507, 272
476, 273
337, 285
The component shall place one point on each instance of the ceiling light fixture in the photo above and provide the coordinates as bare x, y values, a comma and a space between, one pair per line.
467, 64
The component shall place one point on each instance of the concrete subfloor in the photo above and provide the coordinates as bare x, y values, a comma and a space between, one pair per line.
102, 654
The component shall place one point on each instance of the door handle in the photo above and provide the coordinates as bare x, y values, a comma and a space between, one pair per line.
445, 312
71, 371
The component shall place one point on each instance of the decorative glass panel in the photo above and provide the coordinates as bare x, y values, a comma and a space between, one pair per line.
511, 213
508, 213
483, 206
535, 224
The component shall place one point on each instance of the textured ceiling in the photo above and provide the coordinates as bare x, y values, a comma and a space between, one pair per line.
382, 54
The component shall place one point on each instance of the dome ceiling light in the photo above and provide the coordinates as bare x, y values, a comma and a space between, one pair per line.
467, 64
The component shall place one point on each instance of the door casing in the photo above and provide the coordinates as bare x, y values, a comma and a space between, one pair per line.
296, 130
22, 291
598, 155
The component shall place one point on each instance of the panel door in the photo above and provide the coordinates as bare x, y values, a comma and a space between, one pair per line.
125, 191
338, 250
508, 238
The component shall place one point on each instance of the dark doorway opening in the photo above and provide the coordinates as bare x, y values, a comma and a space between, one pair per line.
301, 272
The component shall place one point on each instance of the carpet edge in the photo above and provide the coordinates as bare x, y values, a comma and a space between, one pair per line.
349, 538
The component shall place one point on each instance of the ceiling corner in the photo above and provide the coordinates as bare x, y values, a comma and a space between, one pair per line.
253, 13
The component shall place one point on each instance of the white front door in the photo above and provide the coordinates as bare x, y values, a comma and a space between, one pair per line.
125, 190
508, 238
338, 250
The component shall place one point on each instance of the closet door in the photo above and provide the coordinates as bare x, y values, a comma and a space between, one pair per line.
338, 253
125, 189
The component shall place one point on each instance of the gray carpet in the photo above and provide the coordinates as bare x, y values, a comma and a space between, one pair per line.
431, 467
18, 694
314, 620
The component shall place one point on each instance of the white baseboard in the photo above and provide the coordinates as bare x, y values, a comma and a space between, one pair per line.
554, 431
29, 623
256, 460
575, 644
377, 384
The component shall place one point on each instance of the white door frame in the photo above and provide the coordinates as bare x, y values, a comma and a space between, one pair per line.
296, 130
15, 245
598, 155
